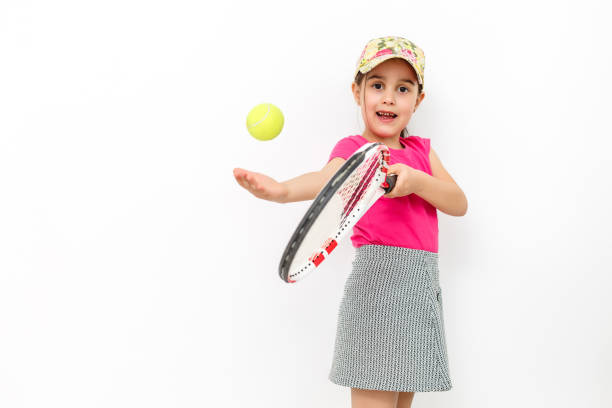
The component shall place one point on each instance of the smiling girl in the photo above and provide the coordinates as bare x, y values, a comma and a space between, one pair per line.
390, 340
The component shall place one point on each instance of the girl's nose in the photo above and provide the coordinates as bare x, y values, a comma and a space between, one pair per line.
388, 99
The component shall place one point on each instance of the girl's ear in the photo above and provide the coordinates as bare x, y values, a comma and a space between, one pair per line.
419, 99
355, 90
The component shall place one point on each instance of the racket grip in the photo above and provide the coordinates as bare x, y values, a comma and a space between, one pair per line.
390, 180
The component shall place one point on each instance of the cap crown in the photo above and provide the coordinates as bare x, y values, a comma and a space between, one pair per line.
384, 48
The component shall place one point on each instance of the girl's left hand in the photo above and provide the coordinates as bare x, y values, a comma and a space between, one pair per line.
408, 180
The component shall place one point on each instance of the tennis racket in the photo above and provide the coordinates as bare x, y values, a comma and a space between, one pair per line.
353, 189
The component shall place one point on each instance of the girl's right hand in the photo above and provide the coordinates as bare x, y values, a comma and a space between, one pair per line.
260, 185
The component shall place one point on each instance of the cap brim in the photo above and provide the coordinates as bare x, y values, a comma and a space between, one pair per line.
375, 62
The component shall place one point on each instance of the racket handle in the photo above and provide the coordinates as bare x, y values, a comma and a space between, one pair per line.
391, 178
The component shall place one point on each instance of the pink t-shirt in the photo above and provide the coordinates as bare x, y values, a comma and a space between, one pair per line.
407, 221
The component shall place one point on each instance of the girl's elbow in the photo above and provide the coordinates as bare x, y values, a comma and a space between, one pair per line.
464, 209
460, 210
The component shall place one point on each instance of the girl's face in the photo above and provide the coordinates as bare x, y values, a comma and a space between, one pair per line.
388, 98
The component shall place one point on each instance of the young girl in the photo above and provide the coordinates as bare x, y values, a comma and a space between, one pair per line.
390, 340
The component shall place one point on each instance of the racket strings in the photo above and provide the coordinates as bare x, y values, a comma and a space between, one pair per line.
358, 183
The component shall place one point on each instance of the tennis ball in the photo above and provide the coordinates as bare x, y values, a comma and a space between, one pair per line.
265, 121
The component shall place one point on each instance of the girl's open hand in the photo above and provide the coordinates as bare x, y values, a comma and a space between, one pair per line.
408, 180
260, 185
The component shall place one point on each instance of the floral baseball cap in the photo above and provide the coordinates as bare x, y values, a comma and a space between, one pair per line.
384, 48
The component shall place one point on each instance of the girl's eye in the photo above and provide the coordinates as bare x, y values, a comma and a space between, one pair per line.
379, 86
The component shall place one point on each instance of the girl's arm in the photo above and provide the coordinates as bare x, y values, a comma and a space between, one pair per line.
300, 188
440, 190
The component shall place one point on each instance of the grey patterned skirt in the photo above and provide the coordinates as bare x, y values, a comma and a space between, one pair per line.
390, 333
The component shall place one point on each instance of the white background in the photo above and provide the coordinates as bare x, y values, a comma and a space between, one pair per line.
135, 272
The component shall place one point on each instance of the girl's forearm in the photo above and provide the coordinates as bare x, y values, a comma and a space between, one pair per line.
446, 196
304, 187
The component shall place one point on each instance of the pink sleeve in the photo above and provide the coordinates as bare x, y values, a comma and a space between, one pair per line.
424, 143
426, 148
344, 148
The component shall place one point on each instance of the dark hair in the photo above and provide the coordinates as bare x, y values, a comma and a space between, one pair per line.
359, 79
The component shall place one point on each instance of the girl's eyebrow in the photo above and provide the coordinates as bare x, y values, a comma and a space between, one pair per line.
382, 77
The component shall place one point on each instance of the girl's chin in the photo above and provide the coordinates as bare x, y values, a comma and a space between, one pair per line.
385, 135
388, 129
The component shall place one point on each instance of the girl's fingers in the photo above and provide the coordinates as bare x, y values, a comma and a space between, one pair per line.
248, 180
254, 186
242, 179
245, 183
252, 181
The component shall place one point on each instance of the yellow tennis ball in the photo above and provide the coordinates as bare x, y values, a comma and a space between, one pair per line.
265, 121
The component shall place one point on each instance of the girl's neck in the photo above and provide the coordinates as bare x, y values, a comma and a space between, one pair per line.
391, 142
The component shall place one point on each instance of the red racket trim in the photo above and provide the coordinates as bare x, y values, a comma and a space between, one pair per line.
317, 258
330, 244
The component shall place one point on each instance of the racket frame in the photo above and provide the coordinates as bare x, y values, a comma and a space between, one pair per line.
324, 196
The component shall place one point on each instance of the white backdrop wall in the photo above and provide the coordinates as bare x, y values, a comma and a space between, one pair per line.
134, 271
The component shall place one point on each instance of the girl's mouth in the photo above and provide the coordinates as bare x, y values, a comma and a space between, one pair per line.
386, 116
